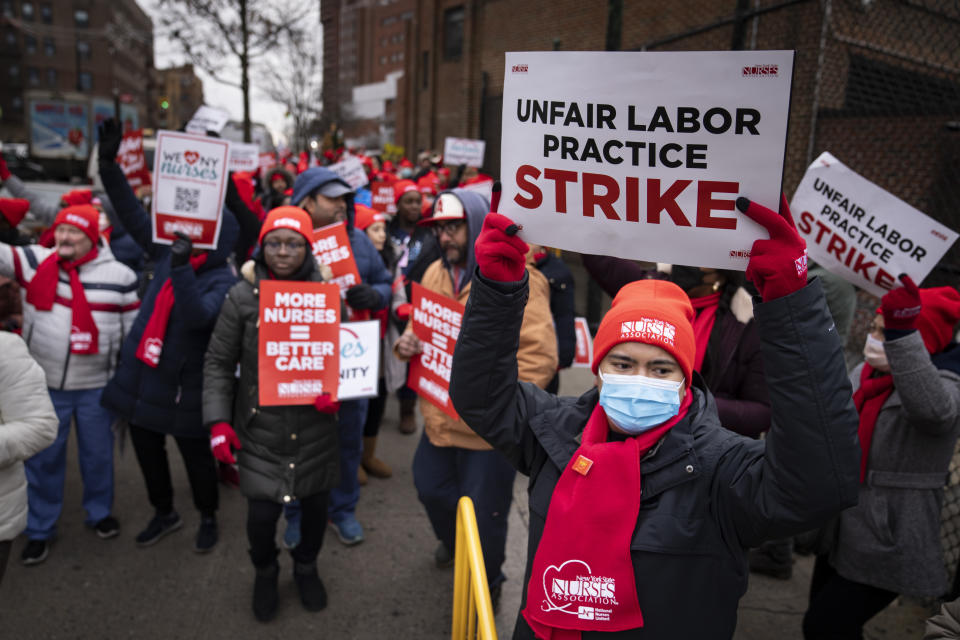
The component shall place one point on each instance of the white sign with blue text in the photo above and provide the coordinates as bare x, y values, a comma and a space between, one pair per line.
359, 359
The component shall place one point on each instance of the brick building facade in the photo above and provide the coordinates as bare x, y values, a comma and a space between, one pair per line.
180, 94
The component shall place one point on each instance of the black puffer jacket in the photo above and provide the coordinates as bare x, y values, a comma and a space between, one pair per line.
708, 493
288, 452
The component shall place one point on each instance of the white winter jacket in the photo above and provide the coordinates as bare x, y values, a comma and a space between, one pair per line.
111, 290
28, 424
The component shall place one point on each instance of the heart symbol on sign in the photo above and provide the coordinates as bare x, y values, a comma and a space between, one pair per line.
549, 574
191, 156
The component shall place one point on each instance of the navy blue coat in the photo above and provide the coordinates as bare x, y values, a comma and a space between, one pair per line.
167, 398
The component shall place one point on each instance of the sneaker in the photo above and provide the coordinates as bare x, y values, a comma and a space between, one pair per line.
35, 552
348, 530
443, 557
313, 595
207, 534
159, 526
107, 528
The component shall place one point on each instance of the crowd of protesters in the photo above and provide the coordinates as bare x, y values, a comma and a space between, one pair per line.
748, 430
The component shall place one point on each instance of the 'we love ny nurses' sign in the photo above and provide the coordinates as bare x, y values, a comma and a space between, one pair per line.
642, 154
436, 321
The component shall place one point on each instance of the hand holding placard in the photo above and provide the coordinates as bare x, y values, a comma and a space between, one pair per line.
501, 255
777, 266
409, 345
902, 305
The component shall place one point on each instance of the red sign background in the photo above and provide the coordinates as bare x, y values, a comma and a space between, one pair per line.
436, 321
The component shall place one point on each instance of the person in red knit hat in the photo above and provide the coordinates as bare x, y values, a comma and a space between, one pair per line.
907, 392
642, 507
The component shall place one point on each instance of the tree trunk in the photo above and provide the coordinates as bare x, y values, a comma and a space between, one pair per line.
245, 71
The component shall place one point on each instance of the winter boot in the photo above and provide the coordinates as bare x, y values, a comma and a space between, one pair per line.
408, 421
361, 476
313, 595
265, 592
374, 466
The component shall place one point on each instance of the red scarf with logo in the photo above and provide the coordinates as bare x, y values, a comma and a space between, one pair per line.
706, 308
151, 342
869, 400
42, 293
582, 575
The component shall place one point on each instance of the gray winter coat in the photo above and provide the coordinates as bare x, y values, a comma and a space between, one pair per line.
891, 539
288, 452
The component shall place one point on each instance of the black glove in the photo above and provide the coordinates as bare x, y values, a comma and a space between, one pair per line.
111, 133
363, 296
180, 250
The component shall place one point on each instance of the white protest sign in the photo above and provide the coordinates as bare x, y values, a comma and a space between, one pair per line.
244, 157
189, 185
642, 154
862, 233
484, 188
351, 170
207, 119
457, 151
359, 359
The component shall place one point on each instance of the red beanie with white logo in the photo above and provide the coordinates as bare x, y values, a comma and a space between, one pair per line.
288, 217
655, 312
82, 216
401, 187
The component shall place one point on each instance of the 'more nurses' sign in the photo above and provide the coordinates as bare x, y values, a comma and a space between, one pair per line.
863, 233
642, 155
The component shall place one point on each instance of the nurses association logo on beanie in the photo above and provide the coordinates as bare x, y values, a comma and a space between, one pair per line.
648, 330
84, 217
288, 217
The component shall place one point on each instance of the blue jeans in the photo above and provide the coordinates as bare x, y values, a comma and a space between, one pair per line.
47, 469
443, 474
343, 498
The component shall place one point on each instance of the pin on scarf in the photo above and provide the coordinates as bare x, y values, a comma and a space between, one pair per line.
582, 465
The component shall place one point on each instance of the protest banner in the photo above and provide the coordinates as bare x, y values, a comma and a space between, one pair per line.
457, 151
299, 341
583, 357
351, 170
436, 321
381, 197
207, 119
642, 155
359, 359
244, 157
483, 187
189, 185
130, 154
861, 232
331, 246
266, 160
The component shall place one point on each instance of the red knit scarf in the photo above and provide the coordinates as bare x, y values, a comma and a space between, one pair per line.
706, 307
151, 342
869, 400
582, 575
42, 293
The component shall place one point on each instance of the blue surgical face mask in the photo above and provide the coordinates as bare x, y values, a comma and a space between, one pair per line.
638, 403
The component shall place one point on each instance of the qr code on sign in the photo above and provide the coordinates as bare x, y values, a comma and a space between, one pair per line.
187, 200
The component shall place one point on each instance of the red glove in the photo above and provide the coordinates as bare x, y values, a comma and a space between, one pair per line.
501, 255
222, 437
4, 171
777, 266
324, 404
403, 311
901, 306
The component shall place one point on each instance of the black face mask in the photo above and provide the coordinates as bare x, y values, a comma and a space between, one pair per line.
686, 277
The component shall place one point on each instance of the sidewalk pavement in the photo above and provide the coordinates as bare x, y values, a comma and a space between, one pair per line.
387, 586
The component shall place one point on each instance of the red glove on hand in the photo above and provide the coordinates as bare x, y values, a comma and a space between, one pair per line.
777, 266
324, 404
222, 437
501, 255
4, 170
901, 306
403, 311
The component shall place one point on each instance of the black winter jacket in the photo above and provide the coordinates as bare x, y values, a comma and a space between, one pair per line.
707, 493
288, 452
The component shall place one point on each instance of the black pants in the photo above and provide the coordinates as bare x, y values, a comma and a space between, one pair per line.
4, 555
262, 517
375, 411
150, 447
839, 607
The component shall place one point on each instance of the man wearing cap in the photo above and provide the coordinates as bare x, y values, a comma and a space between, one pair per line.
328, 199
642, 507
79, 302
451, 460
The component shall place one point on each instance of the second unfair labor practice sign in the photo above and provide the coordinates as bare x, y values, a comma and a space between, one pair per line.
299, 341
643, 154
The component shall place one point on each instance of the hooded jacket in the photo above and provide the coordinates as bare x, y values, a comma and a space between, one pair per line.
167, 398
536, 358
708, 494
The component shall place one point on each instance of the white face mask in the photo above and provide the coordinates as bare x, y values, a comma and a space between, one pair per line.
875, 355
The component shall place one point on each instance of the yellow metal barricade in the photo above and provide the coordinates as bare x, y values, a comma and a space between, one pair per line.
472, 609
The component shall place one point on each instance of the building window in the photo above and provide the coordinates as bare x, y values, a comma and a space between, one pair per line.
52, 77
46, 13
14, 71
81, 18
83, 50
26, 11
406, 15
389, 20
30, 44
453, 33
17, 104
11, 38
383, 59
6, 8
49, 47
33, 77
425, 71
84, 81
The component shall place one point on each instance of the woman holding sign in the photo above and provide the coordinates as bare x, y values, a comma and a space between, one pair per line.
642, 507
286, 452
